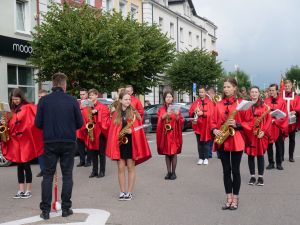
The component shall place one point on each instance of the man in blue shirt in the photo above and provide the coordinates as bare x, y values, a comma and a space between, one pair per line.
59, 116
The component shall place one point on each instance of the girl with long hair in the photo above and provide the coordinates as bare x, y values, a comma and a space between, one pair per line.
129, 147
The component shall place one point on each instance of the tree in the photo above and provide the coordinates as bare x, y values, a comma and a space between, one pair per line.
196, 66
98, 49
293, 73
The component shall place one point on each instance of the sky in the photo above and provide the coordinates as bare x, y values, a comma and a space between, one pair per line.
262, 37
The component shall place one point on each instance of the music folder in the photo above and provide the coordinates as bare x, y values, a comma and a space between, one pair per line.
278, 114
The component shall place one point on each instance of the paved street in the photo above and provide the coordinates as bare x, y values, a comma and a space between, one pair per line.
195, 198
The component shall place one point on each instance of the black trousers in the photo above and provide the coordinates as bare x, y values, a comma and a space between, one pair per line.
24, 173
64, 151
101, 155
260, 164
231, 170
84, 157
291, 144
279, 144
203, 148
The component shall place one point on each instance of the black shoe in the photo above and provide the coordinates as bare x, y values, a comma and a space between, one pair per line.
66, 212
252, 181
260, 181
45, 215
80, 164
40, 174
87, 164
173, 176
270, 166
279, 167
167, 177
93, 175
101, 174
292, 160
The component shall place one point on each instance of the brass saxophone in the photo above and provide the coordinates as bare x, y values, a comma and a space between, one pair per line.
90, 124
256, 129
216, 98
226, 130
123, 140
4, 129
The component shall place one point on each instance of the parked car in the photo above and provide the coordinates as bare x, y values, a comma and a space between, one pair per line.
3, 161
151, 113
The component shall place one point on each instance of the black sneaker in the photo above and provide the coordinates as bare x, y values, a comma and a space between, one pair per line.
18, 195
27, 194
270, 166
66, 212
173, 176
122, 196
292, 160
128, 197
252, 181
260, 181
167, 177
279, 167
45, 215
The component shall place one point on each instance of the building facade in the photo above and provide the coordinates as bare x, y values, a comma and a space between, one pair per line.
179, 20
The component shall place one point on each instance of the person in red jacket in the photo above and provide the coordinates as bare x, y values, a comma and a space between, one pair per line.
135, 102
169, 134
256, 126
231, 150
125, 144
25, 140
97, 115
202, 110
293, 107
279, 128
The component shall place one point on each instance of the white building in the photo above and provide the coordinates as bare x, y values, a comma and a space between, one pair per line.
179, 20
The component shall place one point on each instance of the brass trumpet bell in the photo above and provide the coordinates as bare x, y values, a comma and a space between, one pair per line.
168, 127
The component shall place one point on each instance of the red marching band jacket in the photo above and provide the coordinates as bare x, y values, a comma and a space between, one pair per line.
140, 148
279, 126
256, 146
204, 122
168, 142
136, 103
223, 109
25, 140
101, 125
294, 106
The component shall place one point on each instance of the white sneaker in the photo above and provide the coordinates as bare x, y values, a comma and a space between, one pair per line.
200, 162
205, 162
26, 195
19, 194
122, 196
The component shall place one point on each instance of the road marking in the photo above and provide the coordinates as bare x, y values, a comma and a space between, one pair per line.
95, 217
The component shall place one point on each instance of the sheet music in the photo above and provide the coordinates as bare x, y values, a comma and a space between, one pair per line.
174, 108
278, 114
142, 126
244, 105
87, 103
4, 107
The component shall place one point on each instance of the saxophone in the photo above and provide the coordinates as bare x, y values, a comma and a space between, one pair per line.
122, 138
226, 130
256, 129
90, 124
4, 129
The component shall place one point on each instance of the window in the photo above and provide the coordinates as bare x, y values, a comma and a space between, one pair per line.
122, 8
190, 38
204, 43
172, 30
22, 16
21, 77
90, 2
161, 22
108, 5
198, 41
181, 35
134, 11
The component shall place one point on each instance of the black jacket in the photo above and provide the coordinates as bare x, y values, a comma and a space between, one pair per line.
58, 115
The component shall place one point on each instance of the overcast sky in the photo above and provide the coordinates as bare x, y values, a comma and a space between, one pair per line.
262, 37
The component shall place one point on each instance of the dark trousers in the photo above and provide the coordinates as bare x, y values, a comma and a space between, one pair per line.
64, 151
101, 155
203, 148
260, 164
279, 144
24, 173
292, 144
41, 162
231, 170
84, 157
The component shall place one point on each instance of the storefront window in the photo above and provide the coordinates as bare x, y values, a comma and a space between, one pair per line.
21, 77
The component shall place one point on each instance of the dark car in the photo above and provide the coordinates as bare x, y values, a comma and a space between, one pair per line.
151, 113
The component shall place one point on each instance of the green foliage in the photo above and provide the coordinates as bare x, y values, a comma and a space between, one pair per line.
293, 73
98, 49
196, 66
242, 78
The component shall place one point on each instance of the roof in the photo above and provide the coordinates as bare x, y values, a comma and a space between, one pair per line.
182, 1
